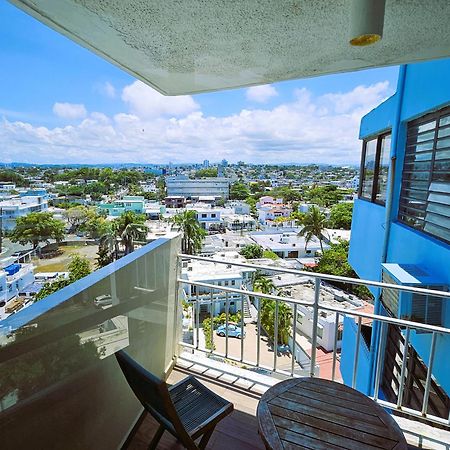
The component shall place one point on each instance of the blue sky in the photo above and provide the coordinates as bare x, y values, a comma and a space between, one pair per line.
61, 103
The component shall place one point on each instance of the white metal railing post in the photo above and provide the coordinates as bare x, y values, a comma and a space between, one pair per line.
242, 327
403, 370
294, 340
211, 317
336, 333
197, 313
275, 337
426, 395
258, 343
312, 369
227, 312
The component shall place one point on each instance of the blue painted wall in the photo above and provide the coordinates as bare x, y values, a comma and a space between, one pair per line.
426, 89
347, 358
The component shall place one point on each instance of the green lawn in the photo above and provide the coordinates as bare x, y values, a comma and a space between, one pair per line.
60, 263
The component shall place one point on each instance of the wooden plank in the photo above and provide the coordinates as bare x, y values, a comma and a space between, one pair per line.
322, 406
322, 436
305, 440
335, 402
278, 388
267, 428
334, 389
281, 417
290, 446
355, 422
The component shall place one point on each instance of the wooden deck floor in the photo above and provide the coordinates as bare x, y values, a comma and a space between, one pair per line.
238, 431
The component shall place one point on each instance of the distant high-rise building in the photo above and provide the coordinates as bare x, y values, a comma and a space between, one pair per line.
206, 163
224, 163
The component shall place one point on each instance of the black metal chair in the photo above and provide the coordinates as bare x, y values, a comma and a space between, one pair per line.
188, 410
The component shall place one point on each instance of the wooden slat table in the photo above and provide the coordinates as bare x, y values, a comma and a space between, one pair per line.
311, 413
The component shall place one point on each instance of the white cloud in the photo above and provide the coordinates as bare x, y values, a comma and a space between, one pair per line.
69, 110
308, 129
107, 89
145, 102
261, 94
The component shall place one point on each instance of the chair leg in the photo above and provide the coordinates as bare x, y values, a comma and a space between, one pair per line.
156, 438
205, 438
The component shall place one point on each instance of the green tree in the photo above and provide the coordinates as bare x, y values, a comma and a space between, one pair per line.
239, 191
76, 217
210, 172
125, 219
37, 227
341, 216
334, 261
314, 224
268, 310
269, 254
324, 195
108, 249
252, 251
193, 233
133, 232
96, 226
79, 267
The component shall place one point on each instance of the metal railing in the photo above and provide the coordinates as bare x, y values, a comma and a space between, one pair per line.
339, 313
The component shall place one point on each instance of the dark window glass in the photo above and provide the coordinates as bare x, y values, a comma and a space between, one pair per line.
383, 168
368, 168
375, 168
425, 194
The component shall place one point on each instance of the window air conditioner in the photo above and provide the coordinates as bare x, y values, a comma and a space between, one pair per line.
409, 305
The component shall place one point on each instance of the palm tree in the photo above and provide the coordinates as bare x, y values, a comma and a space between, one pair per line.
132, 233
262, 284
314, 224
108, 249
193, 233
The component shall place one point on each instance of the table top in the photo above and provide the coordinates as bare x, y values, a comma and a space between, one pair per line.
312, 413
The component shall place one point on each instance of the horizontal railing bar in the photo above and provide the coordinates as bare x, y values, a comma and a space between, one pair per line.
391, 320
245, 292
324, 276
346, 312
411, 412
238, 360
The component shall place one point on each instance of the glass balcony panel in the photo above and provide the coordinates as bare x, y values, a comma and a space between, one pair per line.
57, 356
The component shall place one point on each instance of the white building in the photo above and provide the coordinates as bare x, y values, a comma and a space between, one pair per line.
14, 279
268, 200
13, 208
288, 244
269, 212
183, 186
329, 296
207, 216
239, 207
219, 275
7, 186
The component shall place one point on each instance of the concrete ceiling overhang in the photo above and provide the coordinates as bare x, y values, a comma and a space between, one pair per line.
193, 46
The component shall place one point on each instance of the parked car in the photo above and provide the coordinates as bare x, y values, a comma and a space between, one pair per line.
233, 331
103, 300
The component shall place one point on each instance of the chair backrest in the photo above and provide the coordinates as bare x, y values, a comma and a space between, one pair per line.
151, 391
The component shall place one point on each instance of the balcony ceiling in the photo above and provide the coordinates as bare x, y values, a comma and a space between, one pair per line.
192, 46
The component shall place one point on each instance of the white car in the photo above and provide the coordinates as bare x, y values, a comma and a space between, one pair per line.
103, 300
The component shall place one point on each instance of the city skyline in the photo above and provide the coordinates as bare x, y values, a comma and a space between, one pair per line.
62, 104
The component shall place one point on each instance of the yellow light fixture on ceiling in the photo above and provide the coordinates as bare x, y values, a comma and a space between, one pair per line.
367, 21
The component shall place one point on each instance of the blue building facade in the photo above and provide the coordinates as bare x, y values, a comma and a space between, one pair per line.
401, 219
